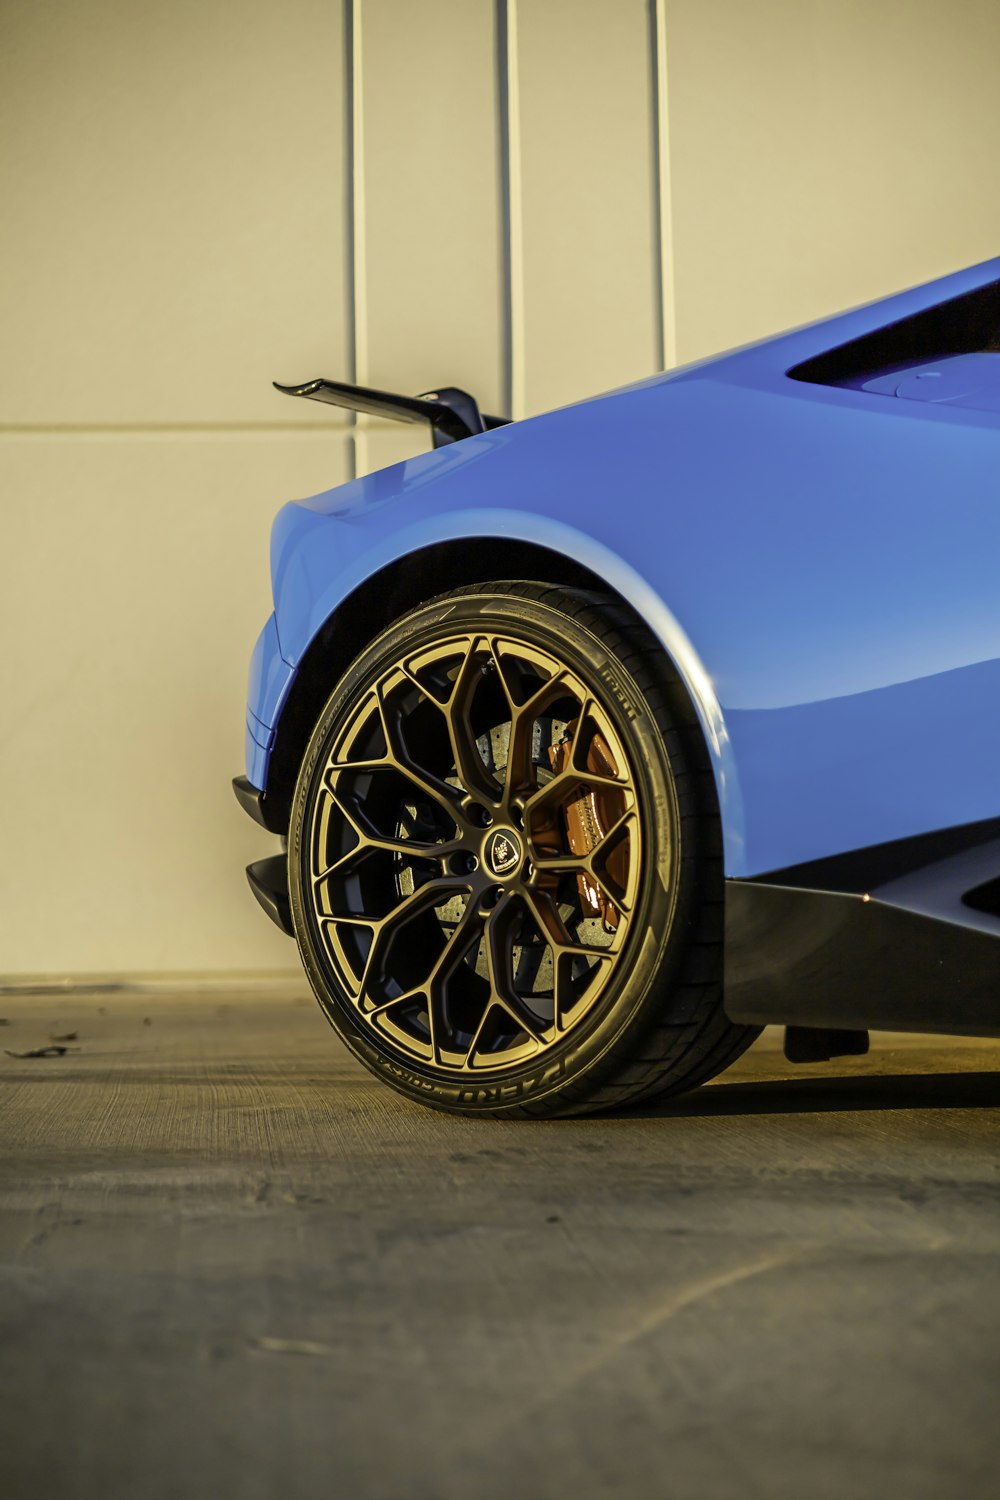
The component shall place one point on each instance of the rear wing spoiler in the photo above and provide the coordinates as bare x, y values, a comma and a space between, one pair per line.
452, 414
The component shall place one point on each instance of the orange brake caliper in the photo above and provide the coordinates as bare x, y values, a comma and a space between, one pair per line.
587, 816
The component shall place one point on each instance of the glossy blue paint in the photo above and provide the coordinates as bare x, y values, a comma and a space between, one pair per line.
820, 562
270, 678
260, 732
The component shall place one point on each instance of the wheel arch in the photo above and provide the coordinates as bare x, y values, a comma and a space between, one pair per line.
419, 575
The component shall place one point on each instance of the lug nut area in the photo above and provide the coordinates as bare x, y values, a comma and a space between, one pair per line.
463, 864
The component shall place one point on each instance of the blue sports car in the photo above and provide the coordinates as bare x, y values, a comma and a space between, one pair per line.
601, 739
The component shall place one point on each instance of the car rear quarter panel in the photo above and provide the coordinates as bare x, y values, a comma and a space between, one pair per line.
820, 564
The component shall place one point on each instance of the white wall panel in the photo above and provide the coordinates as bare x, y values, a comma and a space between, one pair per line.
379, 444
432, 285
825, 154
133, 583
591, 318
173, 208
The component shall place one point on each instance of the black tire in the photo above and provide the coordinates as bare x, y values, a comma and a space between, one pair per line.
610, 885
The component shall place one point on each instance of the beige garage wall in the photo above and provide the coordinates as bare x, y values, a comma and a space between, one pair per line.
824, 153
536, 200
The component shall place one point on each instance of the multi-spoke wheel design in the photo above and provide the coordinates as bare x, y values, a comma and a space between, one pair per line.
484, 832
475, 851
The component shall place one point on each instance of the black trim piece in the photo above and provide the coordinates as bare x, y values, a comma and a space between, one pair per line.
452, 413
807, 1044
825, 959
965, 324
985, 897
891, 936
268, 879
250, 799
258, 806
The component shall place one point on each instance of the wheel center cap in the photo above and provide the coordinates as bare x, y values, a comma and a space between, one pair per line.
502, 853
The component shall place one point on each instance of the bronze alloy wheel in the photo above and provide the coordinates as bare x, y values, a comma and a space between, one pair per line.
484, 832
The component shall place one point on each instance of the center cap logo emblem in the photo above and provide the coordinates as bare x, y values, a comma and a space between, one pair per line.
503, 852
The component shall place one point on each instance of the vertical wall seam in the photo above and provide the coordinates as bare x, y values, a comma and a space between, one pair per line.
663, 188
508, 92
359, 264
350, 290
503, 195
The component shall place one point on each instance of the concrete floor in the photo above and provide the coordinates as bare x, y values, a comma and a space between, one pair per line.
232, 1265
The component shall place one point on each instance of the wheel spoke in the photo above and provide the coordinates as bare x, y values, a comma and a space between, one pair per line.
586, 708
520, 777
386, 929
559, 787
473, 1046
501, 970
468, 762
554, 929
446, 796
543, 860
625, 826
562, 974
458, 944
369, 840
464, 933
407, 996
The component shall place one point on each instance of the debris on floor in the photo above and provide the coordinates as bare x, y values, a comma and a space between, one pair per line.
42, 1052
